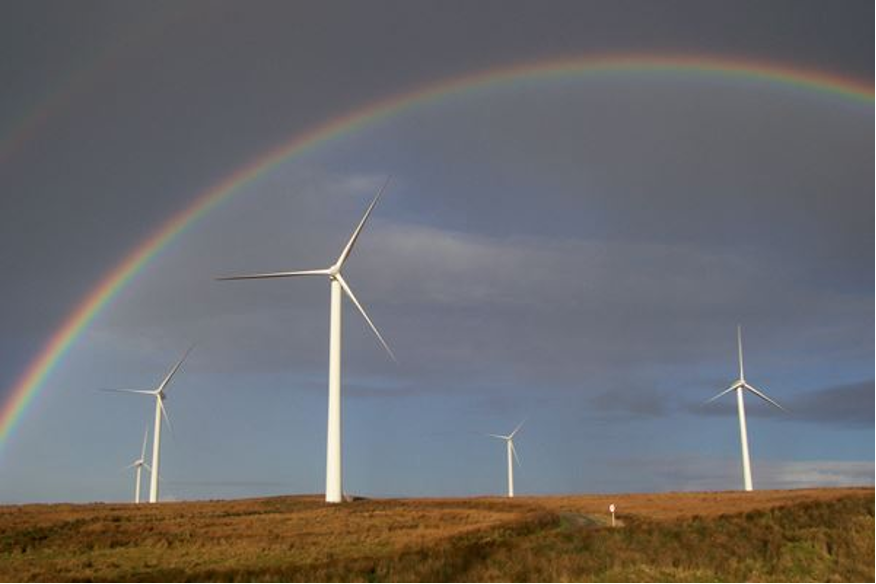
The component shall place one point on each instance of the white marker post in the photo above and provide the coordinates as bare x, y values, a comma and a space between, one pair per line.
611, 510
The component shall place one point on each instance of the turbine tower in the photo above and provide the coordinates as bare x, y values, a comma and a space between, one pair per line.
339, 286
160, 396
139, 464
739, 386
509, 445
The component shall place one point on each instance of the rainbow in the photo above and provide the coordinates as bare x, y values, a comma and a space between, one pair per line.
32, 379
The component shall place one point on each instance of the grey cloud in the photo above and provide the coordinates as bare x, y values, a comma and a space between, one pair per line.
638, 318
698, 473
825, 473
848, 405
642, 401
665, 160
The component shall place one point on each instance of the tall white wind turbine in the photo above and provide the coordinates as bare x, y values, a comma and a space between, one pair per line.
160, 411
138, 465
509, 445
339, 286
739, 386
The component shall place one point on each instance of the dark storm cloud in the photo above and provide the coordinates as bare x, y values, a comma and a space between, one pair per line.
615, 289
208, 85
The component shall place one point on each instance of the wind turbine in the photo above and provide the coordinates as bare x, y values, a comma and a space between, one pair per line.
739, 386
159, 395
333, 473
509, 444
139, 464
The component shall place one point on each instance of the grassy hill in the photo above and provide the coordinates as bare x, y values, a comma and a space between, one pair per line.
801, 535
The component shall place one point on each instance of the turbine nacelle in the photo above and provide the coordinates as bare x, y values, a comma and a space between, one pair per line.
159, 392
745, 386
509, 439
334, 271
139, 464
741, 383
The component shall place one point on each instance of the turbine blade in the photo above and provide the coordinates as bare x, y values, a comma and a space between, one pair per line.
499, 436
739, 341
132, 465
516, 429
174, 370
349, 292
276, 275
514, 452
145, 437
349, 247
763, 396
147, 467
164, 415
723, 393
143, 391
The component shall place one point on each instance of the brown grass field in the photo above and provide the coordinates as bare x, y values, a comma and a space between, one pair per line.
801, 535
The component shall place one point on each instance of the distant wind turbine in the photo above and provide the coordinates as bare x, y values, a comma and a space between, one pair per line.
740, 385
333, 472
509, 444
139, 464
159, 395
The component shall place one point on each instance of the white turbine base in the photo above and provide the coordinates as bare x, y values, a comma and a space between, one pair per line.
510, 470
743, 440
156, 453
334, 491
137, 486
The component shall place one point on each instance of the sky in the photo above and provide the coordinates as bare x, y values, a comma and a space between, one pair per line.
576, 251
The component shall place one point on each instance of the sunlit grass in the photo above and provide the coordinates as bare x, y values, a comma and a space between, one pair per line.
814, 535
